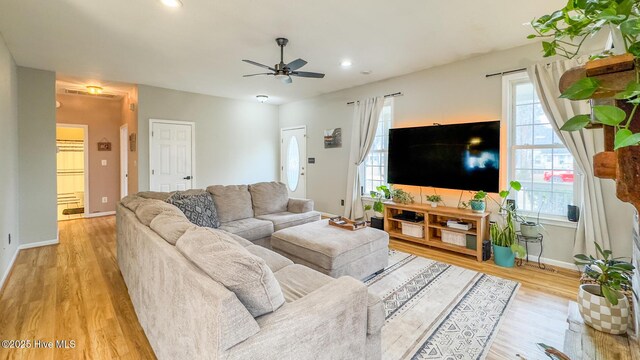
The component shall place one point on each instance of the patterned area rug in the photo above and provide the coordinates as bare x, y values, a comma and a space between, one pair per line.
438, 311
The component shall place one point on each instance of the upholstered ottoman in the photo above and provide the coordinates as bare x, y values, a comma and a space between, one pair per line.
334, 251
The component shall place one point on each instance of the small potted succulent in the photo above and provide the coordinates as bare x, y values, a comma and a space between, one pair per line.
602, 305
434, 199
478, 203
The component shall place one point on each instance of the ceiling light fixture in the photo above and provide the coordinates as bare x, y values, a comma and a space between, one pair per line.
345, 63
172, 3
262, 98
94, 90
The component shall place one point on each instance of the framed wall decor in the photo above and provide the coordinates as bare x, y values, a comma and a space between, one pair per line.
333, 138
132, 142
104, 145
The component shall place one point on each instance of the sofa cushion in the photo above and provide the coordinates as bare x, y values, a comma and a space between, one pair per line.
287, 219
228, 263
132, 202
250, 229
171, 226
156, 195
274, 260
197, 207
299, 205
269, 197
149, 209
233, 202
240, 240
297, 281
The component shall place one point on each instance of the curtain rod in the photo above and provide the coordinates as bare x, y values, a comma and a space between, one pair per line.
506, 72
386, 96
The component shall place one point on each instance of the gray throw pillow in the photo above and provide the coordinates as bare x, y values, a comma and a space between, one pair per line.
198, 208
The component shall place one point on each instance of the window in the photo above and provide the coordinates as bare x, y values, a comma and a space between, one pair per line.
537, 157
374, 167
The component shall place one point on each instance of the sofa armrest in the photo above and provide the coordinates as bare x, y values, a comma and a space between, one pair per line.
331, 321
299, 205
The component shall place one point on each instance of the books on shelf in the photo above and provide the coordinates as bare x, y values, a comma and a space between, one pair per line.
460, 225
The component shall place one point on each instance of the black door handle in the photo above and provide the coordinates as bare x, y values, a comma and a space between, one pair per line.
187, 177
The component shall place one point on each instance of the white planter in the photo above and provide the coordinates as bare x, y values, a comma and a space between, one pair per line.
598, 313
434, 204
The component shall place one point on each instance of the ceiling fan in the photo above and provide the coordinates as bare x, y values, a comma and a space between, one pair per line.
283, 71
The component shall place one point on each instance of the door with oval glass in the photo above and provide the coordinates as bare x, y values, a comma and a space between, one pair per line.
293, 156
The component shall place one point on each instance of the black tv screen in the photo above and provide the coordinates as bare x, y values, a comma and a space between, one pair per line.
460, 156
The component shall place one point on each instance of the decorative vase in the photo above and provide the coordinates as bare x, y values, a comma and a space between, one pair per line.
434, 204
503, 256
529, 229
598, 313
478, 206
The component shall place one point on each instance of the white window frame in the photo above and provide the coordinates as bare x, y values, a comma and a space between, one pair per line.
362, 169
508, 109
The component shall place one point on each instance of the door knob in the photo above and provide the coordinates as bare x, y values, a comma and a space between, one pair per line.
187, 177
301, 173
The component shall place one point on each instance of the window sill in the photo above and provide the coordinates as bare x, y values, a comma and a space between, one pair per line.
551, 221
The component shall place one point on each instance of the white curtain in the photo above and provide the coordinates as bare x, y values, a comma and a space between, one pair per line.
363, 131
592, 225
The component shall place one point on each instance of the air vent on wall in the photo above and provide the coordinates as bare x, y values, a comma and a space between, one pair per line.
83, 92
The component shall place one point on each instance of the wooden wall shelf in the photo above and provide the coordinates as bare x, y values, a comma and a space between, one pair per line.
432, 228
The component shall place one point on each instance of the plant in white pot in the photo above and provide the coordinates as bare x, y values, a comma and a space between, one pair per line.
383, 192
602, 305
434, 199
531, 229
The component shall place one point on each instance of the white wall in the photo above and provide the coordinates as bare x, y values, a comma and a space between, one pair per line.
8, 160
452, 93
37, 153
236, 141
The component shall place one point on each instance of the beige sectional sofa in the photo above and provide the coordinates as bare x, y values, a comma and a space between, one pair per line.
169, 266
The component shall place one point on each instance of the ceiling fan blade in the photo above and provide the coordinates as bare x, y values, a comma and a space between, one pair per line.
257, 74
258, 64
307, 74
296, 64
287, 80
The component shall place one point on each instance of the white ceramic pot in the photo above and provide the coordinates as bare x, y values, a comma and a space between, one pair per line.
598, 313
434, 204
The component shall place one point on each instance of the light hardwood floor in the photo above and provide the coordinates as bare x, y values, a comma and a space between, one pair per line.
74, 291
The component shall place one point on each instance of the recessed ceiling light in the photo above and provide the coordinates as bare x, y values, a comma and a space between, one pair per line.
345, 63
262, 98
94, 90
365, 72
172, 3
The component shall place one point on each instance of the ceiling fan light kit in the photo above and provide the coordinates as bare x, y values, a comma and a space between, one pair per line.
262, 98
283, 71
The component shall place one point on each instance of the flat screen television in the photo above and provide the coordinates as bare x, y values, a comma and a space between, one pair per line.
460, 156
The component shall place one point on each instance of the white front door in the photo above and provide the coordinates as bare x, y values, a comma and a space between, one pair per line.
293, 157
171, 156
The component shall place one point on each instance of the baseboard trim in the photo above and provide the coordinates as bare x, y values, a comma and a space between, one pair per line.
39, 243
7, 272
553, 262
100, 214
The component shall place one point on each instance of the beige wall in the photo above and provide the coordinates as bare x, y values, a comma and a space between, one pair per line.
237, 142
103, 118
8, 160
37, 154
453, 93
130, 118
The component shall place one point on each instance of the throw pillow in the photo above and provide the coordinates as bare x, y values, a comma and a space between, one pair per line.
228, 263
198, 208
269, 197
149, 209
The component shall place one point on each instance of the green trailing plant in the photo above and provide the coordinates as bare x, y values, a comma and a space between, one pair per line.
505, 234
434, 198
611, 274
402, 197
383, 192
563, 33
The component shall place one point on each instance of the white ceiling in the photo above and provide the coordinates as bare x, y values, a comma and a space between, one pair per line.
199, 47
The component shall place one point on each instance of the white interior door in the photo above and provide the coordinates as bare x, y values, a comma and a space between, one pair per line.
293, 156
171, 156
124, 161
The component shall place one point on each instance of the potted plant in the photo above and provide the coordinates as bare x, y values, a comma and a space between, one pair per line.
602, 305
434, 199
478, 203
402, 197
503, 236
383, 192
529, 228
564, 31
